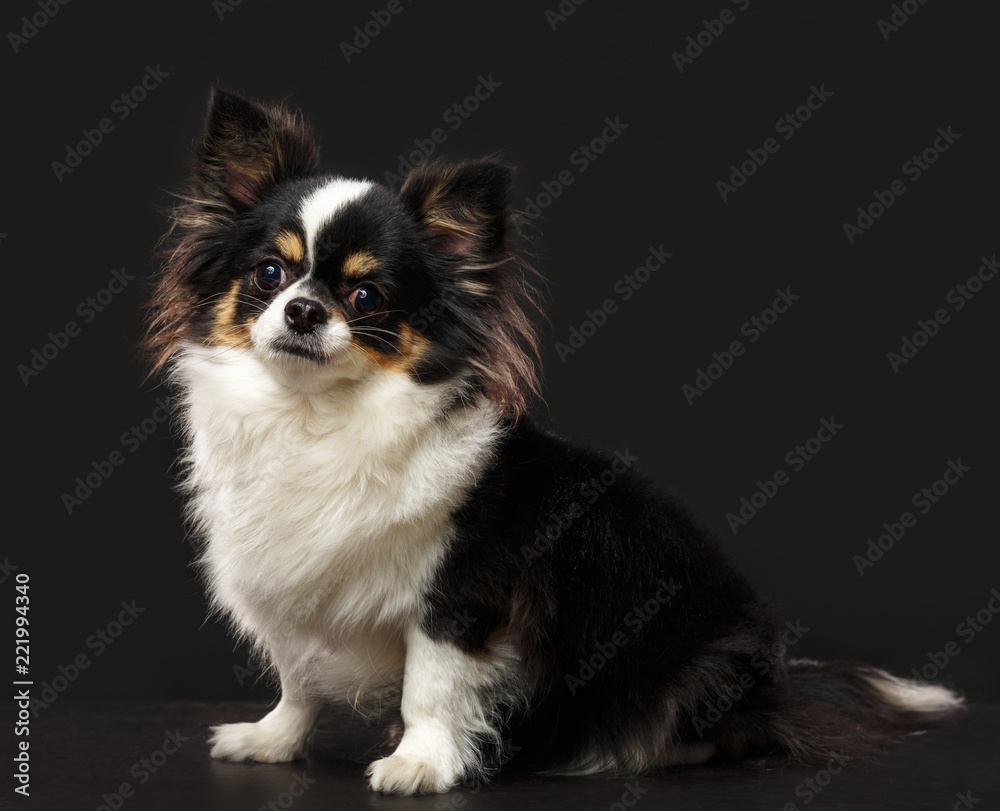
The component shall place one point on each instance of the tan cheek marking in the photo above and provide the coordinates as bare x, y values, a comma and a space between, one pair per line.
412, 346
358, 264
225, 331
290, 245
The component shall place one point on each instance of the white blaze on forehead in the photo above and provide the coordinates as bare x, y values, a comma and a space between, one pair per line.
320, 207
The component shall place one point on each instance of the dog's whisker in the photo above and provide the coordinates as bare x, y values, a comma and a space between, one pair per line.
372, 315
387, 343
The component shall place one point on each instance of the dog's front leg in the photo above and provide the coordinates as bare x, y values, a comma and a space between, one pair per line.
278, 737
447, 710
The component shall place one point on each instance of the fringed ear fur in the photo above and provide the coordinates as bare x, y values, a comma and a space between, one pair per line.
465, 213
463, 206
247, 148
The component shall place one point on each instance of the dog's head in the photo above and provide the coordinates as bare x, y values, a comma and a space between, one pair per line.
322, 278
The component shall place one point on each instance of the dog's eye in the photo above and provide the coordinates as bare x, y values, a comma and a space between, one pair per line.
268, 276
366, 299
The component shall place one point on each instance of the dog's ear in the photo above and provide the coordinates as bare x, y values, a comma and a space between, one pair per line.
248, 147
463, 206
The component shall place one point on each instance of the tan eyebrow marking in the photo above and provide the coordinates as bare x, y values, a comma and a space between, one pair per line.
357, 264
290, 245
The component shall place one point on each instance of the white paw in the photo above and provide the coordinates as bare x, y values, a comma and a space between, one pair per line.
253, 742
408, 774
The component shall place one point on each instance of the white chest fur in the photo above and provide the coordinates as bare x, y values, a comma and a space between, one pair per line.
324, 513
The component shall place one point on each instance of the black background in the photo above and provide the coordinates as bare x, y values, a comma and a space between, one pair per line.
655, 185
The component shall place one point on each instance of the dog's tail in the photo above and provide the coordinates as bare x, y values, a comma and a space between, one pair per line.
844, 709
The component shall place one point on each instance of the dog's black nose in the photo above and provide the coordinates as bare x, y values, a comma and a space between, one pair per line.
304, 315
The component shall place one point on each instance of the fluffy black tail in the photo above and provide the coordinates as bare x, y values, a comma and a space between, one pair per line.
848, 709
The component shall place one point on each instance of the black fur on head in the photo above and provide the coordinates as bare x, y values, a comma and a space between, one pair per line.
441, 250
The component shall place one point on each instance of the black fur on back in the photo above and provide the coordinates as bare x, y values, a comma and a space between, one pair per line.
611, 547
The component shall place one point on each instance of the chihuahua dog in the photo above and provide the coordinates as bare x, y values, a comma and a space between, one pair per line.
379, 516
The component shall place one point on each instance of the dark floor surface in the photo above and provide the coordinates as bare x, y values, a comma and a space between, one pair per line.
110, 756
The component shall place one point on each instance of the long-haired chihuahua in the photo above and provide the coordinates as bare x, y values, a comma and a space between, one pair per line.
379, 516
